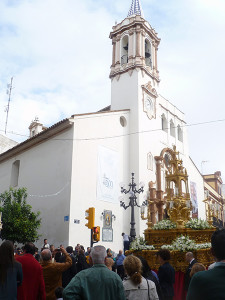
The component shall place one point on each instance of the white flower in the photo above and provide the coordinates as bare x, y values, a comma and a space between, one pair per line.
197, 224
140, 244
184, 243
164, 224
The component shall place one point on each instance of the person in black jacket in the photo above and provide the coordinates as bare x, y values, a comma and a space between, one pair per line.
72, 271
191, 261
166, 274
81, 261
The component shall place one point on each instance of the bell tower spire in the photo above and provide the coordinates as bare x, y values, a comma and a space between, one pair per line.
136, 9
134, 58
135, 44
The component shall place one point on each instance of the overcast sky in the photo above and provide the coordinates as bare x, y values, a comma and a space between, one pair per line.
59, 55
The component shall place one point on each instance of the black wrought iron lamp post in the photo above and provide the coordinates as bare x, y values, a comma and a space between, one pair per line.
132, 203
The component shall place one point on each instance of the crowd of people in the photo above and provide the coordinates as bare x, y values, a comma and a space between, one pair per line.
99, 274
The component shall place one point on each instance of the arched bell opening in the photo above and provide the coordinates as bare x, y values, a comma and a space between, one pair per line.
148, 55
124, 50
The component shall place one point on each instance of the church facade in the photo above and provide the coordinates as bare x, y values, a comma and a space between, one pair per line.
83, 160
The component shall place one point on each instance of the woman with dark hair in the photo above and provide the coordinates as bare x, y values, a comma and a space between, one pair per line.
135, 285
11, 274
81, 261
150, 275
166, 274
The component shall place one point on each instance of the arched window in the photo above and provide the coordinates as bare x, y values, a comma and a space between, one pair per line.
148, 55
150, 161
164, 123
172, 128
15, 173
124, 50
179, 133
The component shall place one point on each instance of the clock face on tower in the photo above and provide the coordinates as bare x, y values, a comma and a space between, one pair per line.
149, 106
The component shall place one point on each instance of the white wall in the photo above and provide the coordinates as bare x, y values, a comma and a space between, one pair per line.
45, 170
113, 136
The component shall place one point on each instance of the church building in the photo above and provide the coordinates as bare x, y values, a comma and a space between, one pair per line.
84, 160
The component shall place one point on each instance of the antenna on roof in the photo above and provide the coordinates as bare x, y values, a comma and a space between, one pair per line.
8, 92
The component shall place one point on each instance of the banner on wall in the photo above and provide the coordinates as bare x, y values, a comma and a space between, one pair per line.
194, 200
107, 175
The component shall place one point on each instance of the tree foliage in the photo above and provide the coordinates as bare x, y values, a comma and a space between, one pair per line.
19, 223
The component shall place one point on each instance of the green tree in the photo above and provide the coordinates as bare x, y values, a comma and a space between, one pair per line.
19, 223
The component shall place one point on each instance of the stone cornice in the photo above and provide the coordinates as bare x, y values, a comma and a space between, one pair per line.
138, 23
133, 67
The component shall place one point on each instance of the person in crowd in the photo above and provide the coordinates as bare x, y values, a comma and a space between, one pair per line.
87, 254
81, 261
56, 255
197, 267
126, 242
110, 255
209, 285
37, 255
58, 293
52, 272
166, 274
52, 248
109, 262
88, 251
191, 261
14, 247
72, 271
151, 275
135, 285
212, 266
76, 251
33, 287
45, 245
97, 282
19, 252
11, 274
119, 264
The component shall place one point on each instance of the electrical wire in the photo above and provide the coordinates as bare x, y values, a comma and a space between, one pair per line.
122, 135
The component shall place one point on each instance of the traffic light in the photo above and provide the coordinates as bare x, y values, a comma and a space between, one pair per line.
90, 216
96, 234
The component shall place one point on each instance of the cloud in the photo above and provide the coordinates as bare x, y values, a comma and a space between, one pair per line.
59, 54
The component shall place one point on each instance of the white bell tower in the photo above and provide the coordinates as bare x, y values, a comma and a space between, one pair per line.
134, 59
134, 83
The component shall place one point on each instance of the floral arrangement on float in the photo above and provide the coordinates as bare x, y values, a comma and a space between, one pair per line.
198, 224
140, 244
184, 244
164, 225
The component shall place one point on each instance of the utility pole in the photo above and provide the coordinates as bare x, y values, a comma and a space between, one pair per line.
9, 91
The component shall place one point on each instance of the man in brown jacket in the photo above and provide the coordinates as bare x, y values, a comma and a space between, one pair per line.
52, 272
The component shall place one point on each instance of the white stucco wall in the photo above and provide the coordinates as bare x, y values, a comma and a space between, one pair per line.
45, 170
100, 130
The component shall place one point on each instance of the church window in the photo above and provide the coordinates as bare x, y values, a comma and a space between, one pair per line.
179, 133
164, 123
148, 56
123, 121
172, 128
15, 173
150, 161
124, 50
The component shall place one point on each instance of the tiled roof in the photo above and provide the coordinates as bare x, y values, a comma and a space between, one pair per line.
136, 8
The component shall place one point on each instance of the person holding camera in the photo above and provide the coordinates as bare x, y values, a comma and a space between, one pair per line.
52, 271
